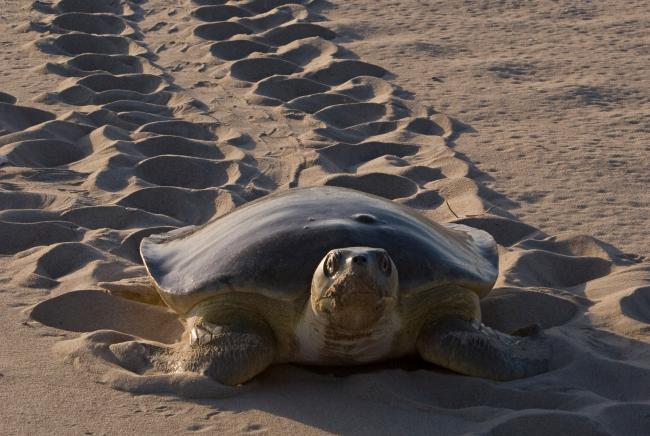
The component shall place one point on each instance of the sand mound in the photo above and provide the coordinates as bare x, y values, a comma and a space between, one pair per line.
148, 133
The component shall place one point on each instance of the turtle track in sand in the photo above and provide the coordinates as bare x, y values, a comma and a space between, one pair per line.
291, 63
135, 155
126, 134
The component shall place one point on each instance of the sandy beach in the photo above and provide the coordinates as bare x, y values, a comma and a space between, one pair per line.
123, 119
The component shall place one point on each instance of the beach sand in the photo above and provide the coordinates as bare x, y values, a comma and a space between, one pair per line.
123, 119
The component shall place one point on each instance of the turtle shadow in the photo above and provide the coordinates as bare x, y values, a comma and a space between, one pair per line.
407, 363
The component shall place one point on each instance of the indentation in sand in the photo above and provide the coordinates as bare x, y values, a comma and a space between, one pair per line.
339, 72
191, 172
384, 185
87, 311
64, 258
115, 217
220, 31
14, 118
73, 44
315, 102
142, 83
97, 23
43, 153
92, 63
348, 115
179, 128
219, 13
237, 49
288, 88
544, 268
186, 205
256, 69
167, 144
17, 237
292, 32
348, 156
95, 6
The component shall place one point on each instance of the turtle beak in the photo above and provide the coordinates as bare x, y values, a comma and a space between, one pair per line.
358, 295
354, 310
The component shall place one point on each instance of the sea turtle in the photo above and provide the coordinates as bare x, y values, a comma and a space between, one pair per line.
334, 276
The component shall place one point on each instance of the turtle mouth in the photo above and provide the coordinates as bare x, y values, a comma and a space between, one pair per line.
354, 291
354, 310
353, 287
334, 301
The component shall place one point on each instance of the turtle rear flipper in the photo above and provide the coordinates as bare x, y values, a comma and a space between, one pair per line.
471, 348
134, 288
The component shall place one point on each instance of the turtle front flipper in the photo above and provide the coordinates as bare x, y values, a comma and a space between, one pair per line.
231, 352
139, 289
471, 348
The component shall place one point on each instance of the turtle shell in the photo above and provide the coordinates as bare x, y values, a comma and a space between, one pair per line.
272, 246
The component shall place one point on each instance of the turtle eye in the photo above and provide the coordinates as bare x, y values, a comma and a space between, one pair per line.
331, 264
384, 263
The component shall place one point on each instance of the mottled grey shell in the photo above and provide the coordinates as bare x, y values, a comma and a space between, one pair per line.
273, 245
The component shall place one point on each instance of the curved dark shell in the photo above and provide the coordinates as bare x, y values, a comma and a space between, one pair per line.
272, 246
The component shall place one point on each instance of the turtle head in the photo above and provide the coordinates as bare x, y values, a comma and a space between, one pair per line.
354, 287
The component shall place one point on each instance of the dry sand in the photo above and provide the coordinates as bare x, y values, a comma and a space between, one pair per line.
169, 115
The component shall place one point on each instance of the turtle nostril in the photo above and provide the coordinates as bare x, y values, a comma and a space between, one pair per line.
359, 259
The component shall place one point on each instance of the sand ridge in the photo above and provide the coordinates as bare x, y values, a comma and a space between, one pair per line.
147, 134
